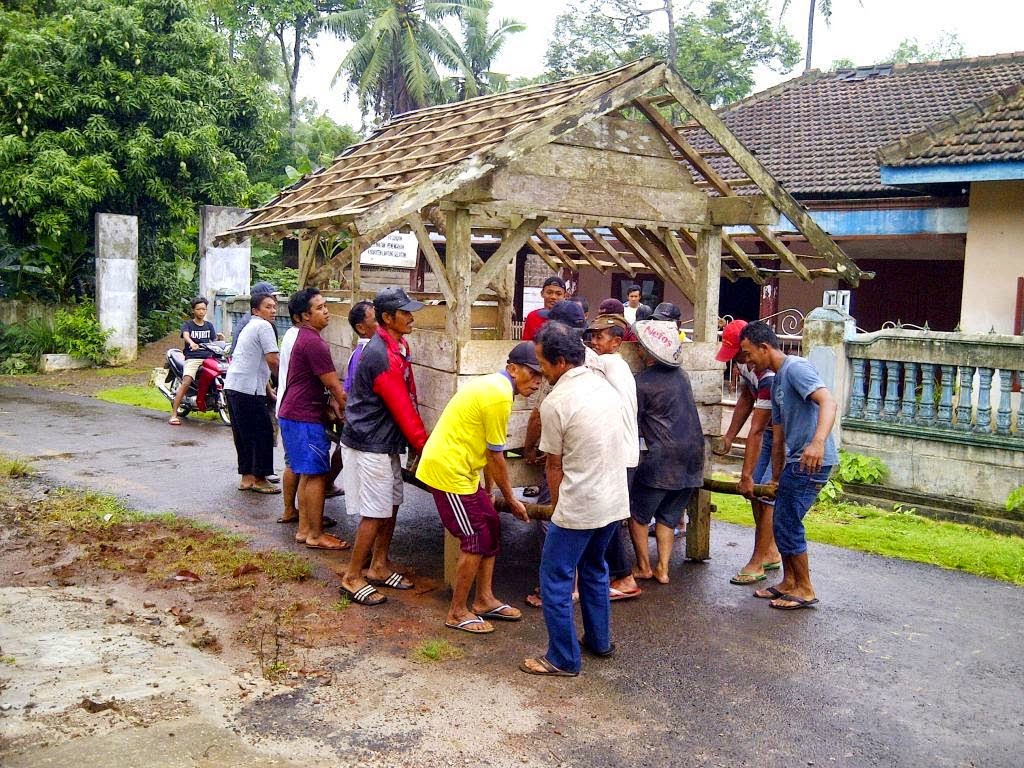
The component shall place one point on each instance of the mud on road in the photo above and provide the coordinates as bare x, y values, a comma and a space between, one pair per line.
114, 659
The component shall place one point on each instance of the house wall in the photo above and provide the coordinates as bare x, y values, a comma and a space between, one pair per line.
994, 256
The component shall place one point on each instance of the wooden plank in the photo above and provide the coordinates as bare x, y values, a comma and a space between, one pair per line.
779, 247
588, 104
657, 251
617, 134
601, 167
433, 348
736, 210
581, 249
745, 262
460, 274
748, 162
431, 255
709, 266
537, 192
678, 256
613, 254
494, 268
552, 264
698, 529
556, 250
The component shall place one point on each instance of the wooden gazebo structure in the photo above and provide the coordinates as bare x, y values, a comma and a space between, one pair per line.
584, 171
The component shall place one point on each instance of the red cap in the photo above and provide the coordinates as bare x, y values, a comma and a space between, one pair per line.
730, 340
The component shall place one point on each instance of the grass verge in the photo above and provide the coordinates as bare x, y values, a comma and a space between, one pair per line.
161, 546
15, 468
901, 534
146, 397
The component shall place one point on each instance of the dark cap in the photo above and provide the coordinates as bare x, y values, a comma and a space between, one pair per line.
666, 311
393, 299
610, 307
568, 312
525, 353
263, 288
601, 322
554, 280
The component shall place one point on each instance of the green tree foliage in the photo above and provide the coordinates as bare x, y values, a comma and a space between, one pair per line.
397, 48
719, 47
127, 106
823, 7
481, 45
946, 46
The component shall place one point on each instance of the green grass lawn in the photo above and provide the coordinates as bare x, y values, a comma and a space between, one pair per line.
901, 534
146, 397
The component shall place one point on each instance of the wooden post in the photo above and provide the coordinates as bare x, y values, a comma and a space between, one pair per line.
505, 307
357, 254
307, 256
709, 271
698, 530
459, 266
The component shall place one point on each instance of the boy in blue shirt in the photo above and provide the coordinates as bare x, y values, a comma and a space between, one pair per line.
803, 455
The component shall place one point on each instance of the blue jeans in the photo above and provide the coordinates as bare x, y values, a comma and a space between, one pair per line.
566, 553
796, 493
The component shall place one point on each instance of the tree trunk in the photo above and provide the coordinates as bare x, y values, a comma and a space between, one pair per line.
673, 45
810, 35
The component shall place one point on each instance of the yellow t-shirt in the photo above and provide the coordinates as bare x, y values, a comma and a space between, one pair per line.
475, 420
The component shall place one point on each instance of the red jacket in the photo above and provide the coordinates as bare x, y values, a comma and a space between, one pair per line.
381, 414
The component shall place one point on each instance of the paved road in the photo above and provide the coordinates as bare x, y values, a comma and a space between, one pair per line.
901, 664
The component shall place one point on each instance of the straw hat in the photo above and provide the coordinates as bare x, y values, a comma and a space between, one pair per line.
661, 339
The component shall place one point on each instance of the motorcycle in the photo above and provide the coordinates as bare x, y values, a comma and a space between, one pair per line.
206, 393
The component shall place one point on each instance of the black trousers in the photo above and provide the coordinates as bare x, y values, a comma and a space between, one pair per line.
253, 432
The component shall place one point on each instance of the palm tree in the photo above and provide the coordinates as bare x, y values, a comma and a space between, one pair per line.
397, 47
824, 7
480, 48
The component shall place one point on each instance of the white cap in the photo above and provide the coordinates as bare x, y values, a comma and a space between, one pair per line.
661, 339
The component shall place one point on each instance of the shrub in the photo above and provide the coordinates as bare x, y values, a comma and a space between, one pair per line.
853, 468
77, 332
1015, 501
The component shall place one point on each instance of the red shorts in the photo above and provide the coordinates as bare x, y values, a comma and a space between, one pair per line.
472, 518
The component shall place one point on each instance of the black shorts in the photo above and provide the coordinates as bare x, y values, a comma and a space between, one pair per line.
666, 507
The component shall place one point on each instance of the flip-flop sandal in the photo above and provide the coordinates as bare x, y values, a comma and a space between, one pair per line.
619, 594
550, 669
342, 544
476, 621
288, 520
496, 613
800, 603
174, 421
599, 654
530, 491
267, 489
772, 566
364, 595
743, 579
395, 581
773, 593
245, 487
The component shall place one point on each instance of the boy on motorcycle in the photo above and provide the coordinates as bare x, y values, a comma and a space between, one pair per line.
195, 332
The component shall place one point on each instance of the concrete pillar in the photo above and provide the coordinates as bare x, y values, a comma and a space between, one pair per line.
117, 278
826, 331
221, 268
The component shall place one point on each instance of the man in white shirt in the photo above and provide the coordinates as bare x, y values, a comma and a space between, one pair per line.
633, 304
606, 334
586, 473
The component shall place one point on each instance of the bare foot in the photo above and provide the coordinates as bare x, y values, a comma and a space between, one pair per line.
626, 584
327, 541
661, 576
643, 575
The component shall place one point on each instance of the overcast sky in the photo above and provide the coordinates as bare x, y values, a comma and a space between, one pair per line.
864, 32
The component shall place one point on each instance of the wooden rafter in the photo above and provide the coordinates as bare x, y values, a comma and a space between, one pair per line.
677, 255
432, 256
581, 249
613, 254
658, 251
559, 254
552, 264
493, 269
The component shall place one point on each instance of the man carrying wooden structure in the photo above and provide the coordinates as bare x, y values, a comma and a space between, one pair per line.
585, 171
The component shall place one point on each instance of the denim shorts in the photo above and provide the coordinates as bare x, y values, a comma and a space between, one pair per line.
763, 468
664, 506
797, 492
307, 446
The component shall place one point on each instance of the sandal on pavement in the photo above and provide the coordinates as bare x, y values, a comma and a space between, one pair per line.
599, 654
469, 624
549, 669
772, 566
799, 603
268, 489
395, 581
503, 612
174, 421
364, 595
773, 593
743, 579
620, 594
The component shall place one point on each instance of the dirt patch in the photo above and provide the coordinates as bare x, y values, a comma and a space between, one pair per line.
123, 636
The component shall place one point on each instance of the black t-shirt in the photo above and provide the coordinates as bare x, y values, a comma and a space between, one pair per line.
670, 426
200, 334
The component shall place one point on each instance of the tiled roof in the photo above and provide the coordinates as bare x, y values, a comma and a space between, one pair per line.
819, 133
989, 131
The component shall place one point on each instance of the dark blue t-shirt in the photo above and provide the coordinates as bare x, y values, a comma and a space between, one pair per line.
670, 426
792, 407
200, 334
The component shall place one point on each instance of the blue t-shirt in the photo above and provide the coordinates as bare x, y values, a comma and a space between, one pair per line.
792, 407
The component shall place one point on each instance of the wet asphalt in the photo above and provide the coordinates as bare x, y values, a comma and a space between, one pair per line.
901, 664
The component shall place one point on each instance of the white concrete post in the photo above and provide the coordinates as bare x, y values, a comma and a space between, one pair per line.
117, 278
221, 268
826, 331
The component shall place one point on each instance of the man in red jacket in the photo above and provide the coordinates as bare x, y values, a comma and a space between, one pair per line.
381, 421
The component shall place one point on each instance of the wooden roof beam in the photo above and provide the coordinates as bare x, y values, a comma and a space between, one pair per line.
581, 249
552, 264
556, 250
613, 254
433, 258
659, 252
492, 270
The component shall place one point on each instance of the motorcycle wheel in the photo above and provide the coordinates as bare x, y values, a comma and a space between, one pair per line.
222, 408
